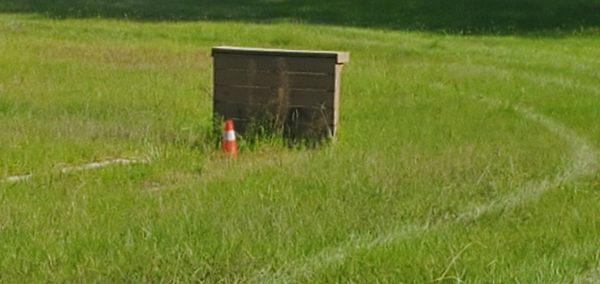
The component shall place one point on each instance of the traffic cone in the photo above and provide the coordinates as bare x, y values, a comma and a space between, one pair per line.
229, 145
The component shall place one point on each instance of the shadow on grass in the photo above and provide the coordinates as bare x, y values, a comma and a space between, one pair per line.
459, 16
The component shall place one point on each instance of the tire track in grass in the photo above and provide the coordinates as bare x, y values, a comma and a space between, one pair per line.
79, 168
590, 277
583, 161
19, 178
559, 81
102, 164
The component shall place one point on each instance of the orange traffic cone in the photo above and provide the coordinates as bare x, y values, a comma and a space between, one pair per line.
229, 145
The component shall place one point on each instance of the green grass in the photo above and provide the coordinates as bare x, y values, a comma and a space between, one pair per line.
419, 143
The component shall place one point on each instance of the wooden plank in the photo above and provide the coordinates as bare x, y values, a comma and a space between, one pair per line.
336, 96
340, 57
299, 121
232, 110
309, 123
267, 95
274, 63
311, 98
248, 95
310, 115
273, 79
302, 114
244, 111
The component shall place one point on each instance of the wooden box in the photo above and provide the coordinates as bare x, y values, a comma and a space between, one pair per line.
296, 91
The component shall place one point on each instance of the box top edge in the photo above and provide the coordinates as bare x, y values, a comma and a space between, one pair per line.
341, 57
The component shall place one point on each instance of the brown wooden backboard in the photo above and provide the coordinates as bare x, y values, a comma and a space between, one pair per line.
297, 90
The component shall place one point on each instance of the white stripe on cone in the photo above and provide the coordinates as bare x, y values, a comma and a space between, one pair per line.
229, 135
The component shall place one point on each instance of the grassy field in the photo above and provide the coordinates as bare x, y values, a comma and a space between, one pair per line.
459, 157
